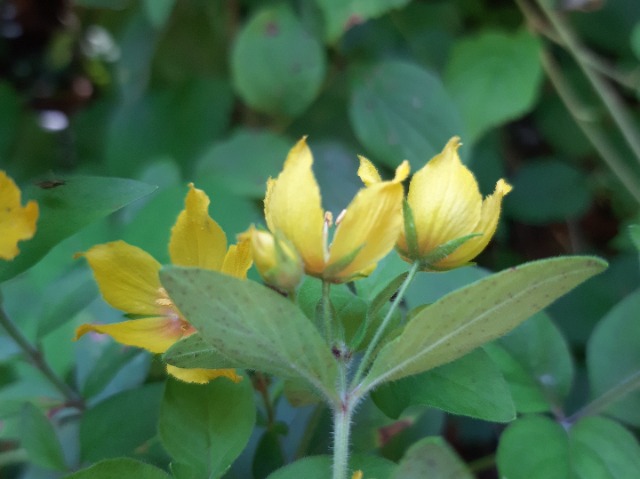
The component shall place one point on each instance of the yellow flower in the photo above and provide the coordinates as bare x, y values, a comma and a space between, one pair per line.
128, 278
446, 204
276, 259
357, 475
365, 232
16, 222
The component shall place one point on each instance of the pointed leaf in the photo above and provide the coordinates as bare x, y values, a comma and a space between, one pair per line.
66, 206
252, 325
431, 457
121, 468
206, 426
39, 438
471, 386
476, 314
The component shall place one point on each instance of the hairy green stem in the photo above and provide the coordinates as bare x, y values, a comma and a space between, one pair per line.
610, 397
364, 364
342, 417
609, 98
38, 361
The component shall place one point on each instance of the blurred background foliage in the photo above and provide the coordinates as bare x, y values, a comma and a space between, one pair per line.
216, 92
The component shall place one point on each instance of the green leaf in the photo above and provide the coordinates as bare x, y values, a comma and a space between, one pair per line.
277, 66
476, 314
431, 457
39, 438
536, 362
536, 447
195, 352
390, 107
252, 325
471, 386
494, 77
635, 40
122, 424
613, 357
634, 233
341, 15
120, 468
207, 426
548, 191
158, 11
319, 467
245, 161
66, 206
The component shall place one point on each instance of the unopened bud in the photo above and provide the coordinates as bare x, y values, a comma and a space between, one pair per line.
276, 259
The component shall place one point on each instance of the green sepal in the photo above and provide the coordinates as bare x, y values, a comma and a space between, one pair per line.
410, 232
428, 262
342, 264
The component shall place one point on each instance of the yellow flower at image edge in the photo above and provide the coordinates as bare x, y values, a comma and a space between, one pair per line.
365, 233
17, 222
446, 204
128, 278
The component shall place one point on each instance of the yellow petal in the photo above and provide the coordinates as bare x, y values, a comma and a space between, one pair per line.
153, 334
368, 172
202, 376
127, 277
293, 206
196, 239
372, 223
357, 475
487, 226
238, 259
445, 200
17, 223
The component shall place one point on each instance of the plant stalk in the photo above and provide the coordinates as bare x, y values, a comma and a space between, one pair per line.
326, 311
614, 105
37, 360
610, 397
364, 364
342, 418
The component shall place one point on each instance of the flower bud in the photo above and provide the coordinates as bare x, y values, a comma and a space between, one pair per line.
276, 259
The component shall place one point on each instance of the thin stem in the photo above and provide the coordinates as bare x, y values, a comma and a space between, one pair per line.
630, 79
364, 364
38, 361
584, 121
610, 397
616, 108
326, 311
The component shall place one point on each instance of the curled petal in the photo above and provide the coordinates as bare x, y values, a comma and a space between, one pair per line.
196, 239
202, 376
17, 223
445, 200
127, 277
238, 259
490, 215
153, 334
293, 207
370, 226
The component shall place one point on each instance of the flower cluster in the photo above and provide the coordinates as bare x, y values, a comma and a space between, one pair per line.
442, 224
